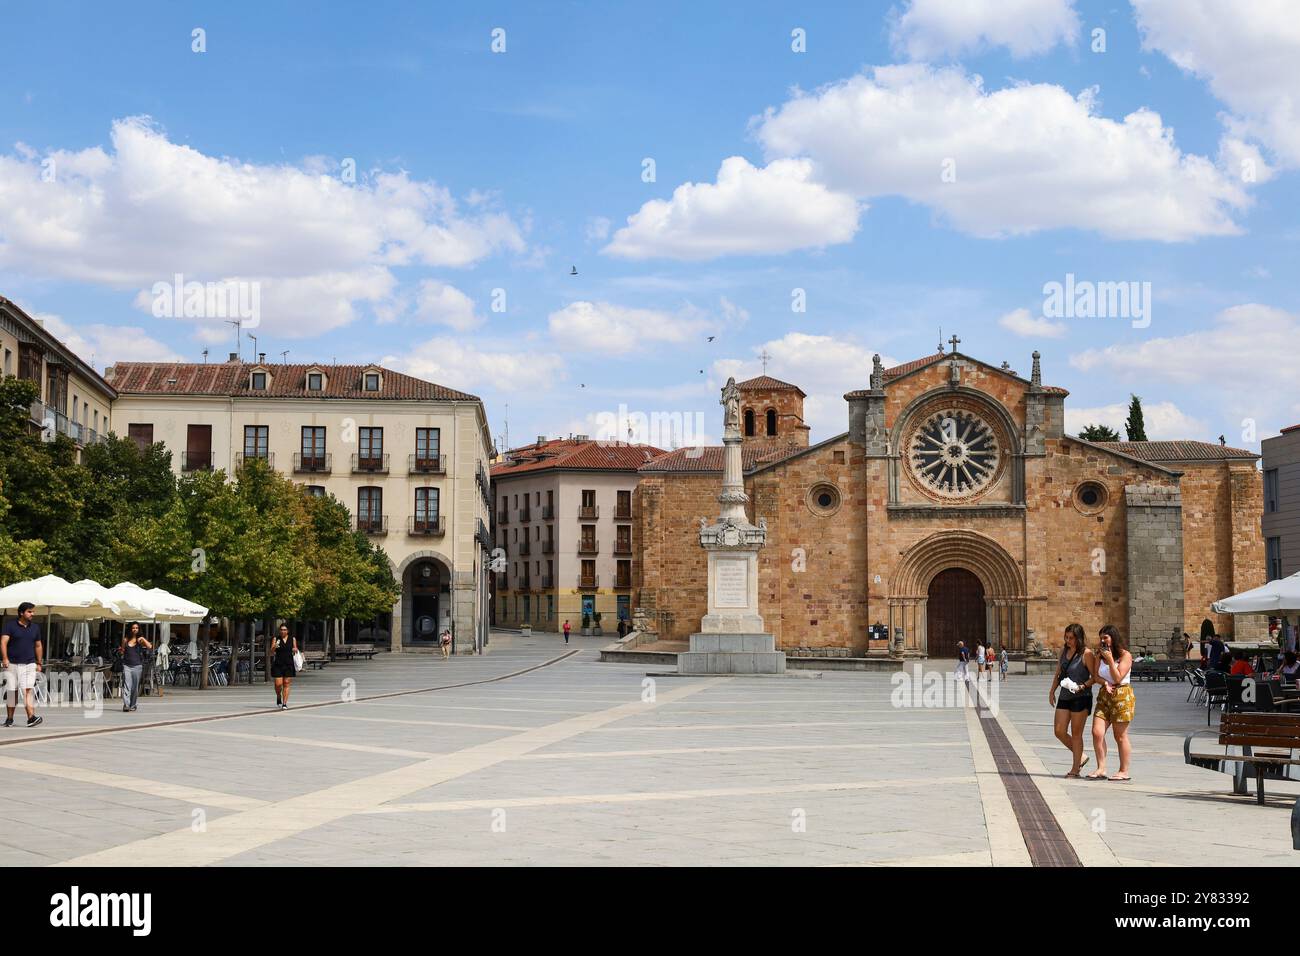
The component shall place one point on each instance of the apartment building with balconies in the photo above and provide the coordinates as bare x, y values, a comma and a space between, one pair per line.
1280, 522
74, 399
563, 528
407, 457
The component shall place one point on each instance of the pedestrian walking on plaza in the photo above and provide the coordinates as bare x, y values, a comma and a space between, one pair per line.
283, 668
979, 660
1003, 661
445, 641
1112, 668
1073, 685
133, 647
963, 661
566, 631
22, 651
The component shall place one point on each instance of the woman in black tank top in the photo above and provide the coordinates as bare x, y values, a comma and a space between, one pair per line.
1073, 707
134, 645
282, 666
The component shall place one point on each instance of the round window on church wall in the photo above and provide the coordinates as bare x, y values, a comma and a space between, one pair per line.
823, 499
954, 453
1090, 497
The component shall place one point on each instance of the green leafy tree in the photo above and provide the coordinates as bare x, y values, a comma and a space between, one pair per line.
1098, 433
19, 560
1134, 425
40, 478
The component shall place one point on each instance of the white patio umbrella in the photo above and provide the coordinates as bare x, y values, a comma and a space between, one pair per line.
1277, 597
81, 601
175, 610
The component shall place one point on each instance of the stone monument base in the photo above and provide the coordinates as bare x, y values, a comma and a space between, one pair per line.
731, 654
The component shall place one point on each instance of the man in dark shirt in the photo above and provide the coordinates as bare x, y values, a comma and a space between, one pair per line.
21, 651
1217, 648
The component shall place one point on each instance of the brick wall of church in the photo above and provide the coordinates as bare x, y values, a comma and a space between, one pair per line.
1068, 578
1223, 547
813, 573
669, 566
789, 415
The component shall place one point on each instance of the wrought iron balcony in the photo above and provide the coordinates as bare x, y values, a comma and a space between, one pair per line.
588, 581
370, 464
371, 524
548, 546
426, 464
196, 461
589, 512
312, 464
588, 547
429, 527
243, 458
622, 547
548, 512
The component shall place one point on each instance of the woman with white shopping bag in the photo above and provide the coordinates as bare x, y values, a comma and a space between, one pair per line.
285, 664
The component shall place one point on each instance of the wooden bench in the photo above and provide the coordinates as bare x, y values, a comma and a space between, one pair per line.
315, 659
350, 651
1277, 734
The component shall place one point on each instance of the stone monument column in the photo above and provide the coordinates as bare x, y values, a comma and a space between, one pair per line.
732, 639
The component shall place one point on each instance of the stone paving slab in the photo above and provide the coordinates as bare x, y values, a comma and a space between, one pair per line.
571, 764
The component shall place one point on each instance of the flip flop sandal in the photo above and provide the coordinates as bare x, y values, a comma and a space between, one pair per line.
1118, 779
1096, 775
1072, 774
1084, 762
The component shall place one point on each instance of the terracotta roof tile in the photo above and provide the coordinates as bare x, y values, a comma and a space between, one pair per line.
768, 383
583, 454
286, 381
1177, 450
708, 458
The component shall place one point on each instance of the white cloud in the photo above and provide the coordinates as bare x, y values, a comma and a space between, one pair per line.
446, 305
149, 209
1245, 342
598, 229
824, 366
933, 28
1239, 366
748, 211
457, 364
1023, 158
611, 329
1249, 53
1021, 322
100, 345
1164, 421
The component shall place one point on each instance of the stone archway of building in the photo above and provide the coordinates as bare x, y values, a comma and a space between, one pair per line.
424, 607
1002, 584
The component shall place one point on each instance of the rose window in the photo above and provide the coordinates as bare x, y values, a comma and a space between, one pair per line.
954, 453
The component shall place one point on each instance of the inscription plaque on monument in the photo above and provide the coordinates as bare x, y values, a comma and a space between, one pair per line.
731, 584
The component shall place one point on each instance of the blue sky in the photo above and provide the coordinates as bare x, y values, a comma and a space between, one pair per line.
126, 157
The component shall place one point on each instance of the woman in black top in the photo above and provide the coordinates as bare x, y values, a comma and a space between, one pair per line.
1074, 705
282, 668
133, 647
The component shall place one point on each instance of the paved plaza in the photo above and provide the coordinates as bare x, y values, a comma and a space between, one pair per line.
535, 753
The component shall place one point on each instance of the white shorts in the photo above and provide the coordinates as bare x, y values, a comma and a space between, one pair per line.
21, 677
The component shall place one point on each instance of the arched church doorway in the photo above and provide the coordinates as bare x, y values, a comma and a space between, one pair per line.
955, 611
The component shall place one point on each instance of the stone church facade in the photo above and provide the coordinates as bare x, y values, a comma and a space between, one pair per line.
955, 507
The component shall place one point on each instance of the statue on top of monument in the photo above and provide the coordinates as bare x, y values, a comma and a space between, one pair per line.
731, 405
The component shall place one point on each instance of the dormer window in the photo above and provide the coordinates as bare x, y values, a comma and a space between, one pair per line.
315, 381
258, 382
371, 382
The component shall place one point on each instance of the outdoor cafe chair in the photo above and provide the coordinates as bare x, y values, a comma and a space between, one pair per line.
1216, 692
1196, 678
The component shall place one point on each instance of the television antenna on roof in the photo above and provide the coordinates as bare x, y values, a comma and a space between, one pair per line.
239, 345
